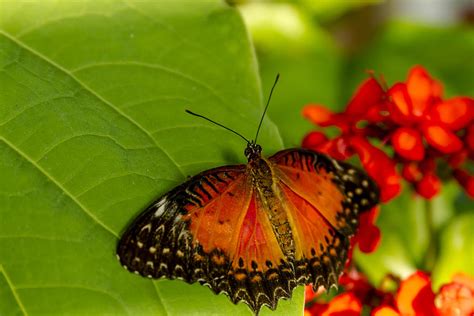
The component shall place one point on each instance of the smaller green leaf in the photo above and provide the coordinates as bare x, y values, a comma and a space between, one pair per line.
456, 249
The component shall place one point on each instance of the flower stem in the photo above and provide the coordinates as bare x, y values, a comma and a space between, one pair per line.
432, 250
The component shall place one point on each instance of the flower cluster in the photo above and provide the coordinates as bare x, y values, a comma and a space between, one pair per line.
414, 296
422, 136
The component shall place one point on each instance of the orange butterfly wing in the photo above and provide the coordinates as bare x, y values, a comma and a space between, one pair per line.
322, 198
211, 229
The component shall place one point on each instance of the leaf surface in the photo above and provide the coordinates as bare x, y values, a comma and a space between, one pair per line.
92, 128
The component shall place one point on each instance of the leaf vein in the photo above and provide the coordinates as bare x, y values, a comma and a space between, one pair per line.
59, 185
87, 88
13, 289
174, 72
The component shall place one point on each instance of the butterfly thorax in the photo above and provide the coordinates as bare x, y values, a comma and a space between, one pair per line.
263, 182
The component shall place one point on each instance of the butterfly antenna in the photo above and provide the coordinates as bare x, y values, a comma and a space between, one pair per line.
218, 124
266, 107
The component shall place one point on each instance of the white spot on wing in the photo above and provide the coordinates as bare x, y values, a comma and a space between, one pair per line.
161, 208
177, 219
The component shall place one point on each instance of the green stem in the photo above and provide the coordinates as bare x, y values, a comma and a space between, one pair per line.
432, 251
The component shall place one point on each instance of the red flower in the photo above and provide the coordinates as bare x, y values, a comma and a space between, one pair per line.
457, 297
345, 304
428, 186
415, 296
421, 127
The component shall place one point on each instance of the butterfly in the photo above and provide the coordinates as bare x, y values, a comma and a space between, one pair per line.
253, 231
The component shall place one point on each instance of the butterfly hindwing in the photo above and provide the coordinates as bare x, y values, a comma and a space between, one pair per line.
322, 197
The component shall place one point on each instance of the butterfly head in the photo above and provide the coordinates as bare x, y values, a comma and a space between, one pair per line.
253, 151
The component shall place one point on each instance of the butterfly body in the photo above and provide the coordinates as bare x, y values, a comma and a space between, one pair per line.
253, 231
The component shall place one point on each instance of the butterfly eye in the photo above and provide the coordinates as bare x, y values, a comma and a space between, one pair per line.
247, 152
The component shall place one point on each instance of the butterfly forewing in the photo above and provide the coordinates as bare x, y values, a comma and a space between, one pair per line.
160, 242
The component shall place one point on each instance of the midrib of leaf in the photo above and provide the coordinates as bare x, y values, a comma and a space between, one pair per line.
13, 290
95, 94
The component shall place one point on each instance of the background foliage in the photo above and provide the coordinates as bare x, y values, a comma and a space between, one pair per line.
319, 65
92, 127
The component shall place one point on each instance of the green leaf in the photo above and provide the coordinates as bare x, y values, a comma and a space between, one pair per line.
456, 249
92, 128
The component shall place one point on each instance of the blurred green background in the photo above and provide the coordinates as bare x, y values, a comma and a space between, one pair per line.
322, 49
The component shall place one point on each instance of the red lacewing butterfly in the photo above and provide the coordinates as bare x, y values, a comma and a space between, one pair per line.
253, 231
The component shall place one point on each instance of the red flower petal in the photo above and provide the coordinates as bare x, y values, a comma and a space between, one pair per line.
369, 94
369, 218
345, 304
356, 282
384, 311
411, 172
313, 140
407, 143
415, 296
401, 106
368, 235
441, 138
429, 186
455, 113
318, 115
379, 166
338, 148
423, 90
465, 180
309, 293
369, 238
